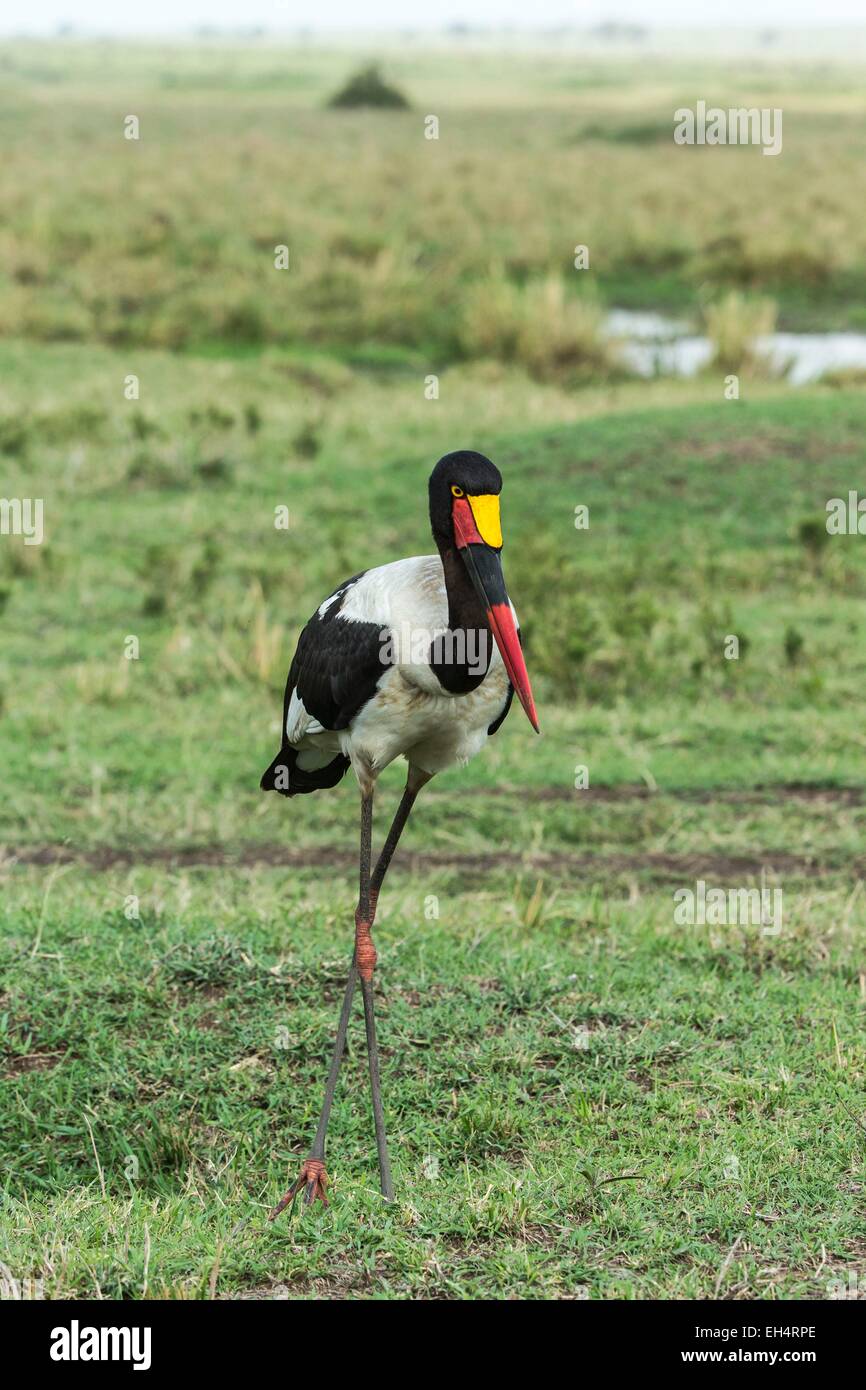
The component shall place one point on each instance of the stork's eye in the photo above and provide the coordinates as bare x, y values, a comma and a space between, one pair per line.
456, 491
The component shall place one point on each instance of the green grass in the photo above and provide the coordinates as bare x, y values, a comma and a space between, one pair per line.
524, 1067
584, 1099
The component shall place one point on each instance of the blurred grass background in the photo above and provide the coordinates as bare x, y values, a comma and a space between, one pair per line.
398, 241
163, 1038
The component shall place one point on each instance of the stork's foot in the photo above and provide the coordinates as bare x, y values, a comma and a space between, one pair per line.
314, 1178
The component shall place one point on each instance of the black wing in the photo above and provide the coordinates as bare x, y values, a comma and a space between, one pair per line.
337, 665
335, 670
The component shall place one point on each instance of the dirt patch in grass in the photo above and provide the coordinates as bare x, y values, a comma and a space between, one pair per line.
208, 1023
335, 1285
760, 447
33, 1061
660, 867
762, 794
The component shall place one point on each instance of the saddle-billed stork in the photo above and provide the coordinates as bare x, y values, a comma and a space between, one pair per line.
399, 660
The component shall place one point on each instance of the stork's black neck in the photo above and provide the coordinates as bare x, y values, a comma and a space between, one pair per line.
460, 659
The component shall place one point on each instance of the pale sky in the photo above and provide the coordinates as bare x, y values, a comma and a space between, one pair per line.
183, 16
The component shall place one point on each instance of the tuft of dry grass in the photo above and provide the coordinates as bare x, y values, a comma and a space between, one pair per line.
734, 324
561, 334
551, 333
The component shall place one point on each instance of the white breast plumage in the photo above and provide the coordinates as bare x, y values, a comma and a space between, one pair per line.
410, 713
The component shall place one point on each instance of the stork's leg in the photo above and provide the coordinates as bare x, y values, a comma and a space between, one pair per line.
414, 782
365, 964
312, 1175
365, 951
385, 1182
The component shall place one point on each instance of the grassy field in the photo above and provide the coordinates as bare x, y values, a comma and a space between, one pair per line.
584, 1098
399, 243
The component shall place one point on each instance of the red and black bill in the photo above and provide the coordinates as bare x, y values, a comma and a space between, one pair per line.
485, 570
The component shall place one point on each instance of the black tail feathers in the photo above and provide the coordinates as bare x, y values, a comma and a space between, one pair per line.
286, 777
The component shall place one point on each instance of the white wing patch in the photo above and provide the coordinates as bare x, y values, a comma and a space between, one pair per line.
299, 722
406, 591
323, 607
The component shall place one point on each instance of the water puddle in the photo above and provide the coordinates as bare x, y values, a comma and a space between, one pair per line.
652, 345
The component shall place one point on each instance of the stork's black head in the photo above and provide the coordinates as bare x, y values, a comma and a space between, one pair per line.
472, 477
464, 515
